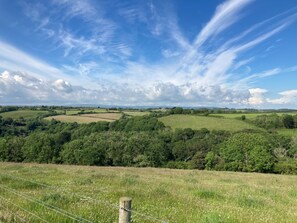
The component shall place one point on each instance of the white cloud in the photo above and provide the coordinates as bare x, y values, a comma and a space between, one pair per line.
257, 96
105, 69
61, 85
287, 97
15, 59
22, 88
226, 14
169, 53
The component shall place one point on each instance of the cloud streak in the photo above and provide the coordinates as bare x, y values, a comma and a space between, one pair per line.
107, 63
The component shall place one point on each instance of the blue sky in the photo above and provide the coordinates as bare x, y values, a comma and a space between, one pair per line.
234, 53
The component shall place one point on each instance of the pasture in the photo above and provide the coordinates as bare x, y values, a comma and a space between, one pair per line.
288, 132
212, 123
22, 113
87, 118
250, 115
136, 113
174, 196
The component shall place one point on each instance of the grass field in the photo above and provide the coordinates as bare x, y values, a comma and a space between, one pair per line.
198, 122
288, 132
87, 118
108, 116
177, 196
136, 113
22, 113
249, 115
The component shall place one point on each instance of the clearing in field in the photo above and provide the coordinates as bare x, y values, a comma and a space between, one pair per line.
211, 123
174, 196
87, 118
22, 113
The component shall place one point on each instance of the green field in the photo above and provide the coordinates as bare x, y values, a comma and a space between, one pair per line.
288, 132
86, 118
250, 115
22, 113
198, 122
136, 113
180, 196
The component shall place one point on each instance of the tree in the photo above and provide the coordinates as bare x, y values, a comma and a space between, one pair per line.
288, 121
247, 152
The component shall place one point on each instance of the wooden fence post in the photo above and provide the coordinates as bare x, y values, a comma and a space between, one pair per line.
125, 210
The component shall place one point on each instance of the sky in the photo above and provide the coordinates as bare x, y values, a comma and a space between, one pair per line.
232, 53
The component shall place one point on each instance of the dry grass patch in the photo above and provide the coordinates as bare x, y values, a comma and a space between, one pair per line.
87, 118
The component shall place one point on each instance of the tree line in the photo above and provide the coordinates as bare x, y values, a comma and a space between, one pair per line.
145, 142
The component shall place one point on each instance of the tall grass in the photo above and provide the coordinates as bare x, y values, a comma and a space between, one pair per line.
174, 195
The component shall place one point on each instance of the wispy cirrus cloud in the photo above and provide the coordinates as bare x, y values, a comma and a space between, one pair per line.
15, 59
108, 60
226, 14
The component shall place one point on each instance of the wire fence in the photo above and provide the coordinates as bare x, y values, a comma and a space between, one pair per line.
65, 213
23, 209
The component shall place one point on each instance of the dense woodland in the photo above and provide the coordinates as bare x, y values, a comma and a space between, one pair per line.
145, 141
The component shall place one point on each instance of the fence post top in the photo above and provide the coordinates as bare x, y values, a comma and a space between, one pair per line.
125, 199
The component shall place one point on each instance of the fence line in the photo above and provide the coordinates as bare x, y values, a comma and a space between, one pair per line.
23, 209
48, 206
65, 190
13, 214
99, 201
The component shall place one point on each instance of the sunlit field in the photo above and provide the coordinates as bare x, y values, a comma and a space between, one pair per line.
250, 115
22, 113
87, 118
92, 193
211, 123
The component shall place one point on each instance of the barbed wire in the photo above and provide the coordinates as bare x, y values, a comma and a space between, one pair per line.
23, 209
88, 198
48, 206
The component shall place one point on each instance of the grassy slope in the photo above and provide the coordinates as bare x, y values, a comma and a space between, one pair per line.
173, 195
198, 122
22, 113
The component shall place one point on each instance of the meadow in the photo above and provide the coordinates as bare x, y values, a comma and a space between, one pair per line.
136, 113
288, 132
87, 118
22, 113
75, 111
249, 115
159, 195
211, 123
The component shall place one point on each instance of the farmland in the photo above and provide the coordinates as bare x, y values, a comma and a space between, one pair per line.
288, 132
136, 113
250, 115
202, 196
22, 113
198, 122
87, 118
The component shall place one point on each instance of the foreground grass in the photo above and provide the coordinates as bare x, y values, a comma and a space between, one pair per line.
22, 113
180, 196
198, 122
